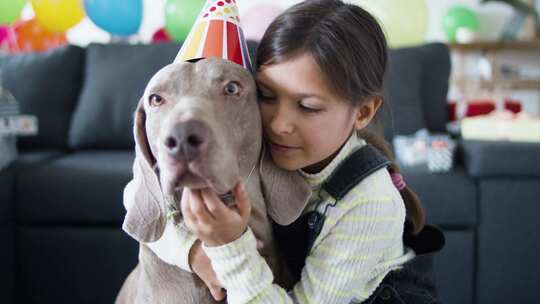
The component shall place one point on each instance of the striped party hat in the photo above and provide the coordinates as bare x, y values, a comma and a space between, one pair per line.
217, 33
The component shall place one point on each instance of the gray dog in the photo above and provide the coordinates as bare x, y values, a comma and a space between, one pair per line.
196, 126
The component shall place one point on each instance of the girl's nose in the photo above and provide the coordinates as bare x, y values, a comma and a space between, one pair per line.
282, 122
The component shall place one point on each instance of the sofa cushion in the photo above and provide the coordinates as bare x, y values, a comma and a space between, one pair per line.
455, 276
501, 158
436, 67
7, 193
8, 177
449, 199
82, 188
65, 265
114, 80
508, 241
415, 89
402, 94
46, 85
7, 262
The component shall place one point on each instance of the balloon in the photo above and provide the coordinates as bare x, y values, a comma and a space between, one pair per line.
180, 16
404, 22
5, 34
118, 17
10, 10
459, 17
58, 15
7, 39
161, 36
257, 19
31, 36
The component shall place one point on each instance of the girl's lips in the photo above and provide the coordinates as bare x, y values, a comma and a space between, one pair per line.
283, 148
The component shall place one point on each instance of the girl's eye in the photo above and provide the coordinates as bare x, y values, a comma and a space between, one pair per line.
308, 109
264, 97
155, 100
233, 88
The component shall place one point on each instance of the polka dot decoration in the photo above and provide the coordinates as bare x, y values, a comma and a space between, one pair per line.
221, 9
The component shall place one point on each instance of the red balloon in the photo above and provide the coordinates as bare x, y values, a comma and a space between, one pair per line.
161, 35
30, 36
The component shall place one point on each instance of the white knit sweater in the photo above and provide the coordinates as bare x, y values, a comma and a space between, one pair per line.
361, 241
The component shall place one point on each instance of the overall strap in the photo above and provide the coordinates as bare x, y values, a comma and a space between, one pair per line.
353, 170
296, 240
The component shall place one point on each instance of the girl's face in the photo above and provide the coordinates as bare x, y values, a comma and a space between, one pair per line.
304, 120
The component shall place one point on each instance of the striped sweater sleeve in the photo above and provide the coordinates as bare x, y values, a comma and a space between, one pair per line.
174, 245
343, 265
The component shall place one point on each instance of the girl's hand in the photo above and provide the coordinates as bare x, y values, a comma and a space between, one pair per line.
211, 220
200, 264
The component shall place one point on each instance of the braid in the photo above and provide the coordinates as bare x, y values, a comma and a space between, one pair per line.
415, 211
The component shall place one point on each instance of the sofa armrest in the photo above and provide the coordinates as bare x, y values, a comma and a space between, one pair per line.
8, 180
7, 234
500, 158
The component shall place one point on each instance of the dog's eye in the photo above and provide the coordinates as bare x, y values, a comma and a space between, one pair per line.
232, 88
155, 100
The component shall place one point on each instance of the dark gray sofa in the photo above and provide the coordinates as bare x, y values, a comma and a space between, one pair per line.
61, 201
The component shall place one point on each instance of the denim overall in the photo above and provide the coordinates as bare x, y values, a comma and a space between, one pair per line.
411, 284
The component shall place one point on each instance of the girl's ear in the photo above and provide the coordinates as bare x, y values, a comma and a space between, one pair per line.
366, 112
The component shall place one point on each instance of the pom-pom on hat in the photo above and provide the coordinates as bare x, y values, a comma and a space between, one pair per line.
217, 33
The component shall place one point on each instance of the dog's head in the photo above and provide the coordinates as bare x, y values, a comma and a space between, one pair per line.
199, 126
197, 121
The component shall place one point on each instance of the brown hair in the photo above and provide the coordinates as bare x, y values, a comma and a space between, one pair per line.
350, 48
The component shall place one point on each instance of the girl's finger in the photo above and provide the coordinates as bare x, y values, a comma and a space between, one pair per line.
198, 207
260, 245
187, 213
218, 293
214, 204
242, 201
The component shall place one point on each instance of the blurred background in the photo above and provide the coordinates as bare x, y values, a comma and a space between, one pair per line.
462, 92
473, 28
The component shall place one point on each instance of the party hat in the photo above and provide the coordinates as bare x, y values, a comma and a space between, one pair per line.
217, 33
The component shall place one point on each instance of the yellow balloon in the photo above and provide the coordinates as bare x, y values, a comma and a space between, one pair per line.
405, 22
58, 15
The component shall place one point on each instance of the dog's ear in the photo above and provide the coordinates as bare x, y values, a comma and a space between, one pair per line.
146, 217
286, 192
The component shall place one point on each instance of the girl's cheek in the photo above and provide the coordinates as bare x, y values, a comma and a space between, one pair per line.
266, 113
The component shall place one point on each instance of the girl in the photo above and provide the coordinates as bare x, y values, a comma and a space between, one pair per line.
320, 69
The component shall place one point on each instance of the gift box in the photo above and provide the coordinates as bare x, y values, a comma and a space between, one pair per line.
434, 152
9, 109
12, 124
480, 107
503, 125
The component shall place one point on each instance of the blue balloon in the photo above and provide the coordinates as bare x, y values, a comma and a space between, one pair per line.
118, 17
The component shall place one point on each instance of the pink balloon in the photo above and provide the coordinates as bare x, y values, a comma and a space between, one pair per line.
7, 37
257, 19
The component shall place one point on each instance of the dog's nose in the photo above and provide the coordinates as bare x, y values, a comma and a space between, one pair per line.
187, 140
